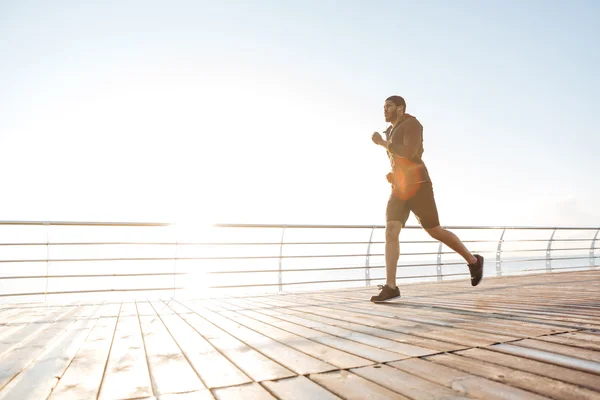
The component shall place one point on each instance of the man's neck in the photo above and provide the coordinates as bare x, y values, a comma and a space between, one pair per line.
398, 120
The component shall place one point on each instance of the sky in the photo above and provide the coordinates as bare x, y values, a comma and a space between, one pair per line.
262, 112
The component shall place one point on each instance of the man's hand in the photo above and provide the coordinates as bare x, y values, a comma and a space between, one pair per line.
390, 177
377, 139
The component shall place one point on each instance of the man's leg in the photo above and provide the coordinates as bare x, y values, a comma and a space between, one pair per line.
474, 262
425, 209
392, 251
396, 215
452, 241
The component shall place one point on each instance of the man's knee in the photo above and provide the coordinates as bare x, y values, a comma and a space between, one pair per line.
436, 232
392, 230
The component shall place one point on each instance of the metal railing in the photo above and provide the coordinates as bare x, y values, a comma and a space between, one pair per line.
278, 252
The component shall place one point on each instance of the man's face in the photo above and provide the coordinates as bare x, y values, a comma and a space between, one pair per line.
390, 111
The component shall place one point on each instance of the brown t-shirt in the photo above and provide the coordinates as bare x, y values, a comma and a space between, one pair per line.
406, 150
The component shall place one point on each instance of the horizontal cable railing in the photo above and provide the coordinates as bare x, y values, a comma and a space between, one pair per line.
112, 257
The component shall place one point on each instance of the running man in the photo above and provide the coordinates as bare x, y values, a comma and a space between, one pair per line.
412, 190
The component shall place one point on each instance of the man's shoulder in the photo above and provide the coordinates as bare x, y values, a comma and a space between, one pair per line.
411, 123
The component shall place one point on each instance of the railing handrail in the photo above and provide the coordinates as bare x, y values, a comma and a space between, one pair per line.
291, 226
85, 223
470, 227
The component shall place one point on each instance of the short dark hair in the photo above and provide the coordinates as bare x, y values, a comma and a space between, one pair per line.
398, 101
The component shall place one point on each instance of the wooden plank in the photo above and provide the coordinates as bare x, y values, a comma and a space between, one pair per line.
571, 340
329, 355
126, 374
575, 377
39, 378
472, 320
144, 309
297, 327
214, 369
109, 310
593, 336
389, 311
162, 307
203, 394
289, 357
254, 364
369, 338
491, 319
548, 357
391, 325
398, 310
252, 303
571, 351
509, 328
235, 304
251, 391
33, 314
169, 370
23, 332
353, 387
462, 382
537, 302
406, 384
89, 311
523, 313
298, 388
343, 328
8, 334
404, 342
6, 327
128, 309
442, 333
289, 300
181, 308
500, 303
533, 383
529, 313
537, 292
9, 314
30, 357
83, 377
451, 317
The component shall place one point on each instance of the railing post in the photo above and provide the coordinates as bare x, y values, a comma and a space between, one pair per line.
439, 263
175, 268
368, 260
549, 253
46, 228
592, 247
499, 254
280, 272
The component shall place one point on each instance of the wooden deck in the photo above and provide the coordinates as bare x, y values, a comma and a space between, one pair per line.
526, 337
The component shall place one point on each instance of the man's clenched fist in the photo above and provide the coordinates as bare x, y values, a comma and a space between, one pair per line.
377, 139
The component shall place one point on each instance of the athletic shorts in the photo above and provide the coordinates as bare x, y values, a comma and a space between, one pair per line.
422, 204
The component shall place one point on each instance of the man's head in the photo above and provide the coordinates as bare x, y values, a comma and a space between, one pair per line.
394, 107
